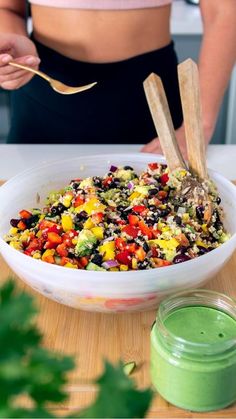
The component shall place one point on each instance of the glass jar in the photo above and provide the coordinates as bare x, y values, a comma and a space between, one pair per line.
193, 350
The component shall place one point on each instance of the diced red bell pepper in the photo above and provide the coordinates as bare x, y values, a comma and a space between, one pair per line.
107, 181
25, 214
120, 243
164, 178
139, 209
155, 252
162, 194
153, 166
62, 250
145, 229
131, 231
79, 200
140, 254
49, 226
65, 260
133, 219
120, 222
124, 257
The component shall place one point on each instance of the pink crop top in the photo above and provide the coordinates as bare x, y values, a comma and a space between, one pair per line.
102, 4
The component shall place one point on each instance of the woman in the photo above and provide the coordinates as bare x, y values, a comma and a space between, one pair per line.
116, 43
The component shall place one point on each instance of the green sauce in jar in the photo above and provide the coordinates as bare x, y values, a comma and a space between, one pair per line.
193, 350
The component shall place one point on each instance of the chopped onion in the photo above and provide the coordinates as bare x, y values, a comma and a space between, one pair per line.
130, 185
113, 169
110, 264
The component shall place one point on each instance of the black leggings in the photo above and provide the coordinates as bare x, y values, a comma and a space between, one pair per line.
114, 111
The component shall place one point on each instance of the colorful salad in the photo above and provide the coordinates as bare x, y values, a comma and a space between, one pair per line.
119, 222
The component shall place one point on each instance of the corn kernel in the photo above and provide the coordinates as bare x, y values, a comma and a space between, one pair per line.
15, 245
200, 243
114, 269
37, 255
204, 228
133, 196
185, 217
39, 234
134, 263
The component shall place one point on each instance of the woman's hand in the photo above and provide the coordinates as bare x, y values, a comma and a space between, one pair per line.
23, 51
155, 147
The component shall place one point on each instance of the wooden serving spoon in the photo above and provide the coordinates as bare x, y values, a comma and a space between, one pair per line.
191, 104
191, 187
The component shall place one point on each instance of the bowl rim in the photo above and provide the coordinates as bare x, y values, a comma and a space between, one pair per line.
74, 272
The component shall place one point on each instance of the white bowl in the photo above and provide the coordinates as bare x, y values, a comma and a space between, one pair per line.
104, 291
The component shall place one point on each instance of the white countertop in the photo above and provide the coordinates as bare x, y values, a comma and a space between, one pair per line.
185, 19
15, 158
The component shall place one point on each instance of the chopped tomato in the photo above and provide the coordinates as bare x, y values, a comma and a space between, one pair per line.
25, 214
162, 194
133, 219
155, 252
49, 226
121, 222
79, 200
155, 232
145, 229
97, 218
160, 262
182, 239
153, 166
107, 181
124, 257
131, 231
62, 250
120, 243
139, 209
53, 240
164, 178
140, 254
21, 225
83, 261
65, 260
68, 237
131, 247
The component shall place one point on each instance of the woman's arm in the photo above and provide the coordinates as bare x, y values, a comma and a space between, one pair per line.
12, 17
217, 56
15, 45
216, 60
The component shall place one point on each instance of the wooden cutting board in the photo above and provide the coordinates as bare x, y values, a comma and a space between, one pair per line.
91, 337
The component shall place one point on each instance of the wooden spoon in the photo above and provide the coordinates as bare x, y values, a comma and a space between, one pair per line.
191, 103
191, 188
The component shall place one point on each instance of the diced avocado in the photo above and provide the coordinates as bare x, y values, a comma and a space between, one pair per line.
86, 241
93, 267
109, 194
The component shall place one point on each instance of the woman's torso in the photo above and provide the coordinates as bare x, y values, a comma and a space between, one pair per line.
101, 35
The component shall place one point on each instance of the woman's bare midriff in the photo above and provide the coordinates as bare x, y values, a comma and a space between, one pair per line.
102, 36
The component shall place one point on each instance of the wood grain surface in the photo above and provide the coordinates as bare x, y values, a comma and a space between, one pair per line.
91, 337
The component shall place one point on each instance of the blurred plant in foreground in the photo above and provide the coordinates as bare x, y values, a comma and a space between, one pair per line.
27, 369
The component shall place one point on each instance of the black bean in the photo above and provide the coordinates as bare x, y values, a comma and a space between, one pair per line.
58, 209
142, 265
178, 220
153, 191
218, 200
75, 186
182, 249
181, 258
97, 259
14, 222
146, 248
97, 181
152, 207
80, 216
128, 168
200, 212
112, 185
31, 221
202, 250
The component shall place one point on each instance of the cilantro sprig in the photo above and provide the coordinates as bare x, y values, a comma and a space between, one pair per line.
28, 369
